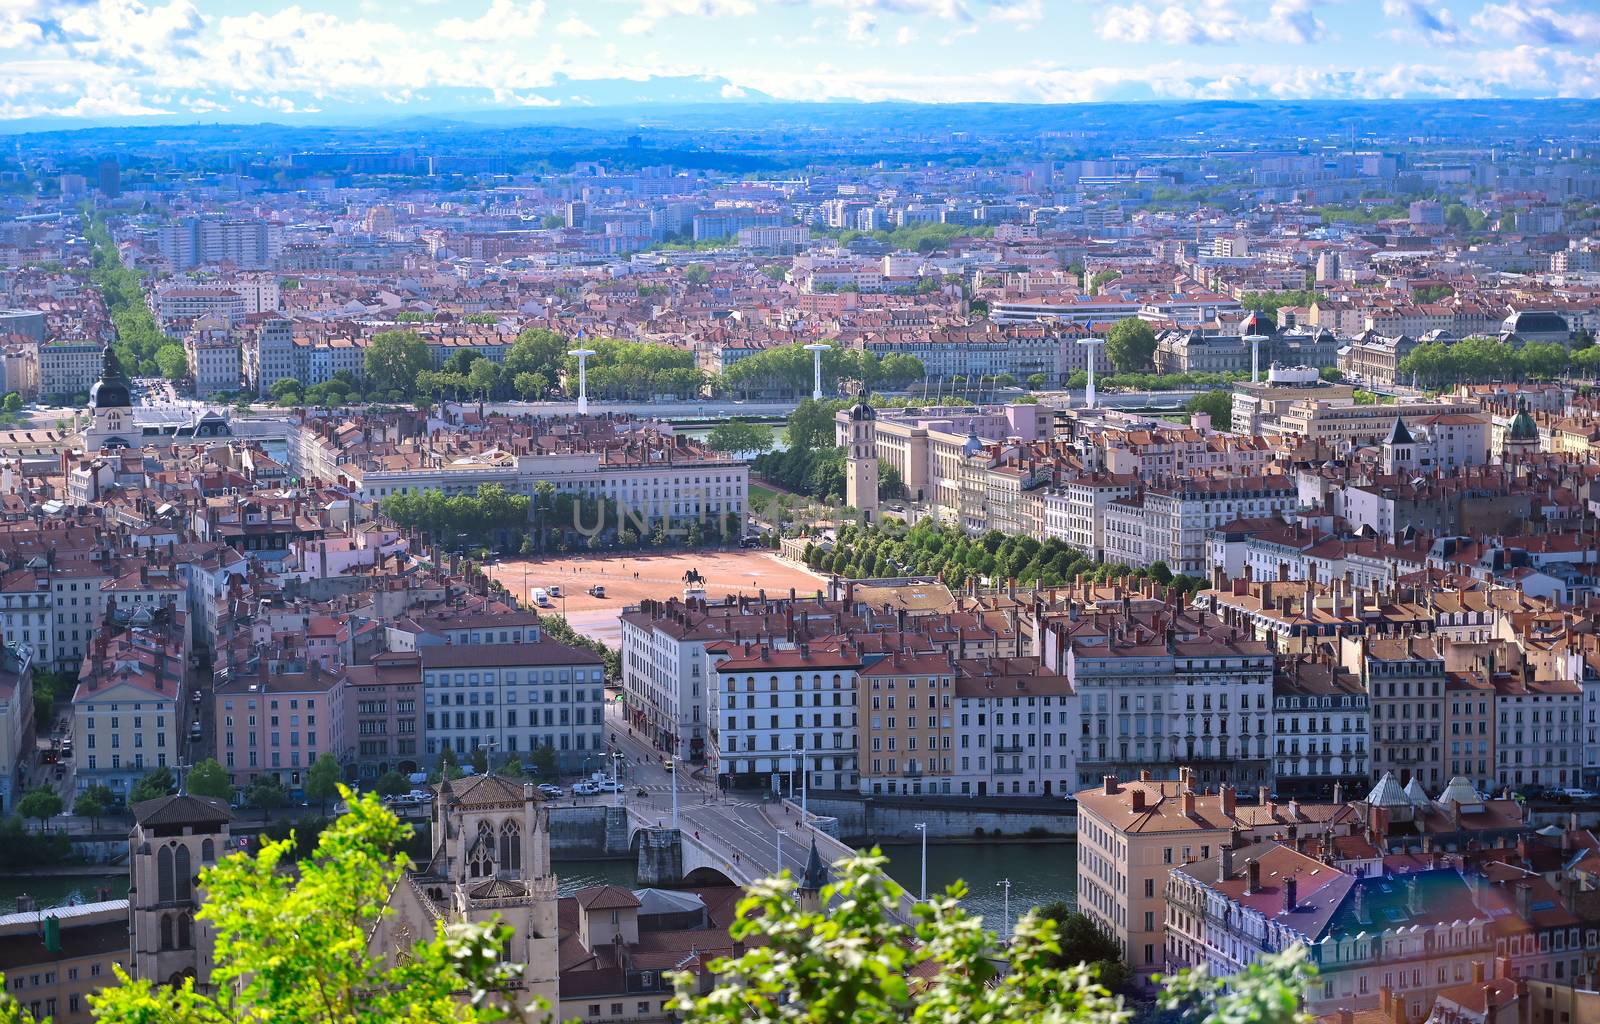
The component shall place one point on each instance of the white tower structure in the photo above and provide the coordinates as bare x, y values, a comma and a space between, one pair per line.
1255, 341
816, 349
582, 355
1093, 345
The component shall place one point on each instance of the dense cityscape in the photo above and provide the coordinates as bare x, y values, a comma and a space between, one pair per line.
1181, 520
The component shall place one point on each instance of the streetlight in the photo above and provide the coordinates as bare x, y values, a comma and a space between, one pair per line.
617, 788
1092, 345
816, 349
582, 355
922, 827
778, 841
1005, 884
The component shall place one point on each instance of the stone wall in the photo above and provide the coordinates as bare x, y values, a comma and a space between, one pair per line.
880, 819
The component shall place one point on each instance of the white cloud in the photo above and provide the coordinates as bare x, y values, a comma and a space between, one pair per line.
505, 19
861, 27
127, 30
1546, 24
575, 28
651, 12
906, 36
1209, 23
1421, 22
732, 92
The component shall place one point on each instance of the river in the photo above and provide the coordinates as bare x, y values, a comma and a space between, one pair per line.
56, 890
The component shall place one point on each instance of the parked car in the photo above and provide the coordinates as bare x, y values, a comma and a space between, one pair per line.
196, 730
598, 590
555, 590
551, 790
584, 789
424, 796
1577, 794
609, 787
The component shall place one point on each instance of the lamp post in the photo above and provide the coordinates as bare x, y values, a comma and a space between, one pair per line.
778, 842
1005, 884
615, 782
922, 827
674, 774
816, 349
582, 355
1255, 341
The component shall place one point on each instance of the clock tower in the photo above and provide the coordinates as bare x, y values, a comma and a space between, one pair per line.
861, 462
110, 408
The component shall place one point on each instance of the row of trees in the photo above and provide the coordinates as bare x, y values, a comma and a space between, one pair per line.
888, 549
141, 345
293, 946
1479, 359
789, 370
493, 517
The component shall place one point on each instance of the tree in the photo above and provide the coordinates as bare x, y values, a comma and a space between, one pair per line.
811, 424
13, 402
40, 804
1037, 381
1545, 359
696, 273
1216, 404
1130, 344
511, 767
156, 783
89, 805
266, 793
294, 945
209, 778
172, 361
395, 358
391, 784
286, 389
1082, 943
484, 377
543, 761
736, 436
851, 963
322, 780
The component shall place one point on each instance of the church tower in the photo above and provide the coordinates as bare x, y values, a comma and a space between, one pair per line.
173, 838
110, 408
861, 462
809, 892
491, 856
1522, 436
1399, 449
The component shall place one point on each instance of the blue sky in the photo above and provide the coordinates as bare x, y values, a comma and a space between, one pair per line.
251, 60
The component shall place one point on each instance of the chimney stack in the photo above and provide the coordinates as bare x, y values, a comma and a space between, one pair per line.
1253, 877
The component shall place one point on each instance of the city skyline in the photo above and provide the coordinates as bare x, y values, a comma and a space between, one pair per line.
114, 61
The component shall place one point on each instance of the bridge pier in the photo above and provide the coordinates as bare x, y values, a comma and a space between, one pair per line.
660, 857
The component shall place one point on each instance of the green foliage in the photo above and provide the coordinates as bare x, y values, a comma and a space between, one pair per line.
172, 362
411, 316
1130, 344
1038, 381
480, 318
391, 784
395, 358
811, 423
266, 793
851, 962
923, 238
789, 370
492, 517
889, 483
737, 436
322, 779
553, 220
1083, 943
294, 945
1465, 218
1271, 302
1101, 279
696, 273
13, 402
1370, 213
1217, 404
1478, 359
156, 783
1432, 292
40, 804
816, 472
138, 335
633, 371
21, 849
542, 762
209, 778
89, 805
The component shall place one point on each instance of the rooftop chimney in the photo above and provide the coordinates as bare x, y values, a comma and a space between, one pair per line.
1253, 877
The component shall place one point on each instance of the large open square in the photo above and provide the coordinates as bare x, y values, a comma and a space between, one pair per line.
632, 576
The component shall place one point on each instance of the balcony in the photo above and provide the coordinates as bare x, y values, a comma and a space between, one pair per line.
1007, 748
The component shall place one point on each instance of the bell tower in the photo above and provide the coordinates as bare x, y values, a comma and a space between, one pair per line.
861, 461
173, 838
110, 408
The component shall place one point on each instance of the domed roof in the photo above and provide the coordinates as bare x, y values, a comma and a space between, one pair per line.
973, 444
861, 411
1522, 426
111, 390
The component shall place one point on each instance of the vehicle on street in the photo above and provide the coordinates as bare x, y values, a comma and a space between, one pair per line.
609, 787
669, 765
196, 730
551, 790
555, 590
422, 795
541, 597
598, 590
584, 789
1577, 794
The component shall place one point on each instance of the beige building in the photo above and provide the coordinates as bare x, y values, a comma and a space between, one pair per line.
68, 367
127, 711
1130, 836
1328, 422
907, 724
16, 721
53, 960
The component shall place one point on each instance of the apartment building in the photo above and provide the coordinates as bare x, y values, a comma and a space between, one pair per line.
383, 715
928, 447
276, 717
907, 735
54, 960
177, 307
1131, 836
69, 366
779, 706
128, 706
1405, 682
1016, 729
1172, 522
1338, 426
214, 361
1199, 698
17, 725
192, 241
1539, 735
1321, 727
511, 699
